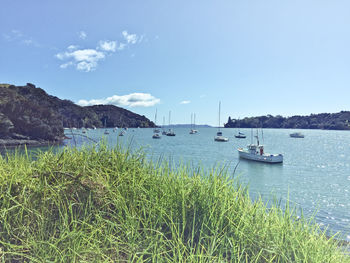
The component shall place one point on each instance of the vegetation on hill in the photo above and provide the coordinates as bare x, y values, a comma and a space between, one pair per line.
327, 121
27, 112
100, 205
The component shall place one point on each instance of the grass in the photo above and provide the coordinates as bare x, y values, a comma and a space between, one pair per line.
111, 205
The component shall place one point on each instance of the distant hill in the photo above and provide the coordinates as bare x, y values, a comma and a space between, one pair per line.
29, 113
326, 121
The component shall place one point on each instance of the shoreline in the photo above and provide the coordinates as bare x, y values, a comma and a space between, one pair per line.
12, 143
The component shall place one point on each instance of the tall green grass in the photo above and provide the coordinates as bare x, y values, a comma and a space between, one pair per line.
111, 205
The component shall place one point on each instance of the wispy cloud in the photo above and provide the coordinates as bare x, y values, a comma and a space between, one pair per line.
130, 38
17, 36
109, 46
87, 59
82, 35
185, 102
129, 100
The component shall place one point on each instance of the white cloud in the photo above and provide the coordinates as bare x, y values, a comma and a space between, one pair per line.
130, 38
66, 65
87, 59
72, 47
82, 35
109, 46
185, 102
121, 46
84, 59
131, 100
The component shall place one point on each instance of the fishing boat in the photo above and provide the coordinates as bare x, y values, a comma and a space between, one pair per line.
255, 152
170, 132
156, 131
297, 135
219, 137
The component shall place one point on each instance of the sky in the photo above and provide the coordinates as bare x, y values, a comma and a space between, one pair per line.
257, 57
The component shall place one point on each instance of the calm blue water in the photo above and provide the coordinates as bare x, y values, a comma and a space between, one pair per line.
315, 175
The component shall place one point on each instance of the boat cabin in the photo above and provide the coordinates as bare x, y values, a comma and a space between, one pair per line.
256, 149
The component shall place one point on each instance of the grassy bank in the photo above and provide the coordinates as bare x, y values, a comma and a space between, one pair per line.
114, 206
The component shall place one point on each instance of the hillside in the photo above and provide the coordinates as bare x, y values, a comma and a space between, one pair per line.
325, 121
29, 114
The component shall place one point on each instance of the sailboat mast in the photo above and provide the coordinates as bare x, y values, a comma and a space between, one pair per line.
219, 113
194, 121
191, 120
169, 118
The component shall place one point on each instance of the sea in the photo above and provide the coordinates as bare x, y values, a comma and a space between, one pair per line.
314, 176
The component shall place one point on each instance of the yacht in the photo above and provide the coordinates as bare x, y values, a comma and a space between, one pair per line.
193, 130
170, 132
219, 137
156, 131
296, 135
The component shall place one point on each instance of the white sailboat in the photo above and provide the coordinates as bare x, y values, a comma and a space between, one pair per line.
163, 127
255, 152
219, 137
240, 135
170, 132
193, 130
156, 131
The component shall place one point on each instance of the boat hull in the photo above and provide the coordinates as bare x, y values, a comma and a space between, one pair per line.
220, 139
266, 158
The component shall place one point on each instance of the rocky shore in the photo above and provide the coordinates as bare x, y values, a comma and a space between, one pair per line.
29, 116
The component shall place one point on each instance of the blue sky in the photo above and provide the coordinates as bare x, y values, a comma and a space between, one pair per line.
256, 57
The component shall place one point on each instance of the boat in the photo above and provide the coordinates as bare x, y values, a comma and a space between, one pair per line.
170, 132
121, 133
156, 131
296, 135
240, 135
255, 152
163, 130
106, 131
156, 136
193, 130
219, 137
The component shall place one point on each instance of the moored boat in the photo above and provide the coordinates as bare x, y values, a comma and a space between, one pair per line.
296, 135
255, 152
219, 137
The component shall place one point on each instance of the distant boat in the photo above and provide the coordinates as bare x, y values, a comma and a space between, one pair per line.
240, 135
115, 129
219, 137
163, 130
121, 133
255, 152
156, 131
170, 132
106, 131
156, 136
193, 130
297, 135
